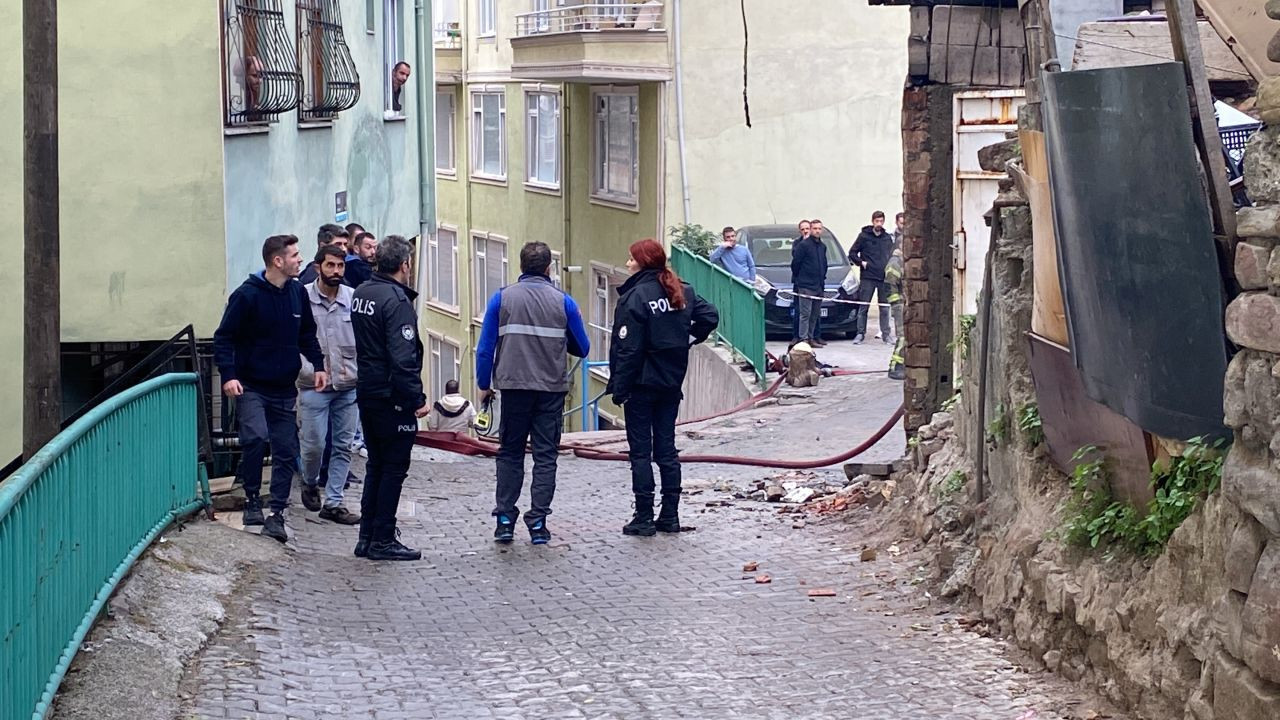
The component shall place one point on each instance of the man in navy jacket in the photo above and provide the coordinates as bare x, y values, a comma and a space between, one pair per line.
258, 348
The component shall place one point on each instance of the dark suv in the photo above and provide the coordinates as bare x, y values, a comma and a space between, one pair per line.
770, 246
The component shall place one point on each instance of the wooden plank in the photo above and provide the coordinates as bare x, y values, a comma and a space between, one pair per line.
1245, 25
1187, 49
1048, 311
1137, 42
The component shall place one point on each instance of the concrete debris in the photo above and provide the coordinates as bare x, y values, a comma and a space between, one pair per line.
763, 579
868, 555
774, 493
799, 495
750, 567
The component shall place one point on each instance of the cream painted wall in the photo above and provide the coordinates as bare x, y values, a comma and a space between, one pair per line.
11, 210
825, 88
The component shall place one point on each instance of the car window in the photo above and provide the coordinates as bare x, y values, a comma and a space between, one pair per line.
777, 250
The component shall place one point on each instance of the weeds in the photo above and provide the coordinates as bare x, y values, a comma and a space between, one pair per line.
1030, 425
694, 238
950, 403
964, 333
998, 428
952, 484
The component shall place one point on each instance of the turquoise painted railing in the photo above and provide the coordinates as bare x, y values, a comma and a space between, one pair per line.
75, 517
741, 309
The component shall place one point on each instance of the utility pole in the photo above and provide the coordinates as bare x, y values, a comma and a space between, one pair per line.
42, 336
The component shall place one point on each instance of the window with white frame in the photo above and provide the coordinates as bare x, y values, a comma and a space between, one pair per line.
604, 301
446, 114
396, 68
542, 139
617, 145
446, 364
489, 261
488, 135
443, 272
488, 17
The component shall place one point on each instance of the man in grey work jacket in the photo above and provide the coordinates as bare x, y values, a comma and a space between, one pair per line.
530, 329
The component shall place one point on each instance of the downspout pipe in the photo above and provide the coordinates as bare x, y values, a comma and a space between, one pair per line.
425, 48
684, 167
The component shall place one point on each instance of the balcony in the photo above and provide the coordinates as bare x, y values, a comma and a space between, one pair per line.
592, 42
448, 49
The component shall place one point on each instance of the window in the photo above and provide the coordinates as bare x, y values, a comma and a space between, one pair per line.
542, 21
443, 261
446, 364
330, 83
488, 135
604, 301
617, 146
445, 118
396, 77
447, 32
488, 18
489, 261
542, 138
261, 75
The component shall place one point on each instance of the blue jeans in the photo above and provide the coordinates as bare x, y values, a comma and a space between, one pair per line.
324, 414
268, 419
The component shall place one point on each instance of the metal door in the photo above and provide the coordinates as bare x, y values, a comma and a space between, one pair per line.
982, 118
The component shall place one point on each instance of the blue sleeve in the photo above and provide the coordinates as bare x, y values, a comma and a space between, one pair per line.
579, 343
751, 265
488, 342
717, 253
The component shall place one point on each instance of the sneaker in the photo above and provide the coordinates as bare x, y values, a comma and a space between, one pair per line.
340, 515
898, 374
392, 550
252, 512
538, 532
857, 339
505, 532
640, 526
888, 339
362, 546
818, 343
273, 528
311, 497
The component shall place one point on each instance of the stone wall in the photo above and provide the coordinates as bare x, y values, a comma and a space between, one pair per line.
1194, 632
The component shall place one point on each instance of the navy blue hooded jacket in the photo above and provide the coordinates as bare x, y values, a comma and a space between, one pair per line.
357, 271
263, 334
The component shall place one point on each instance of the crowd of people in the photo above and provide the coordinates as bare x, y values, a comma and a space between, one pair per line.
334, 348
876, 255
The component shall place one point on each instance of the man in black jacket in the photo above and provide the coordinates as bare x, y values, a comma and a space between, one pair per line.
809, 278
257, 347
359, 259
871, 252
388, 393
329, 234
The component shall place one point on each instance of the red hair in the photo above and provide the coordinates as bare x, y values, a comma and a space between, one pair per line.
649, 255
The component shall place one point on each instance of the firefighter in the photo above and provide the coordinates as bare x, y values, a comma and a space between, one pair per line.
893, 280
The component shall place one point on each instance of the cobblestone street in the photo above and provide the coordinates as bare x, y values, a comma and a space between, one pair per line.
601, 625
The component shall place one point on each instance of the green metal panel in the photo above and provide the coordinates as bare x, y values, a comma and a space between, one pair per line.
75, 517
741, 309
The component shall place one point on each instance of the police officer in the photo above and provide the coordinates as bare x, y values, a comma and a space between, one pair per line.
658, 319
388, 393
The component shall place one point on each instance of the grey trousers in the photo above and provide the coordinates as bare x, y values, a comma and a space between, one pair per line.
810, 311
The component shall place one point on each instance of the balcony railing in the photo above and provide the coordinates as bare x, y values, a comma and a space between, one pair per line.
447, 36
591, 17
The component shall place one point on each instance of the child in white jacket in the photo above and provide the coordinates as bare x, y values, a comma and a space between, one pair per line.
451, 413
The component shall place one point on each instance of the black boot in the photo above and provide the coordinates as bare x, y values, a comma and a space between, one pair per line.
362, 546
642, 523
392, 549
669, 518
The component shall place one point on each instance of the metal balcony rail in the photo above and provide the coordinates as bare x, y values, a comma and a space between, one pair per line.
741, 308
591, 17
76, 516
260, 66
330, 83
447, 36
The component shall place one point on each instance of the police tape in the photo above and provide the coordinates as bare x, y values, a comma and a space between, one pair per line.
792, 294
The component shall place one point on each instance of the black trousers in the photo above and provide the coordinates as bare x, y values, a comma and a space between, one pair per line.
389, 431
268, 419
651, 436
528, 416
880, 289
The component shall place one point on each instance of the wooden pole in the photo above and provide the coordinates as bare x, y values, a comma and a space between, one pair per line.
1187, 50
41, 359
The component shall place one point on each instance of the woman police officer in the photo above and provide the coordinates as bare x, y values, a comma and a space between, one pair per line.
657, 320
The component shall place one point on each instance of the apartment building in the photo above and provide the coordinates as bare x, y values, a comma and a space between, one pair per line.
558, 121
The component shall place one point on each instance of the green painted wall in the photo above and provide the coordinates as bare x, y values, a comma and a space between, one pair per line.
141, 169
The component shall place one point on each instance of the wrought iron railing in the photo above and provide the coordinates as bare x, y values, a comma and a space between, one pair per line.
260, 68
591, 17
330, 83
741, 308
76, 516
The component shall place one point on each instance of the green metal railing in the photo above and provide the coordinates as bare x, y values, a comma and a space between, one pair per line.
741, 309
76, 516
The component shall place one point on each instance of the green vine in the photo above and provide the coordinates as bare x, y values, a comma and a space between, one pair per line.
964, 333
952, 484
1030, 425
1094, 518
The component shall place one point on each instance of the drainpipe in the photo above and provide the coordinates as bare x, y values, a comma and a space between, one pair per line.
426, 122
684, 168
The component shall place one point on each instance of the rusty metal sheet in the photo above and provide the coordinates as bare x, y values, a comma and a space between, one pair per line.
1072, 421
1136, 251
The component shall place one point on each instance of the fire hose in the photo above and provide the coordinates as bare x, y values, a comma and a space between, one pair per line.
463, 444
